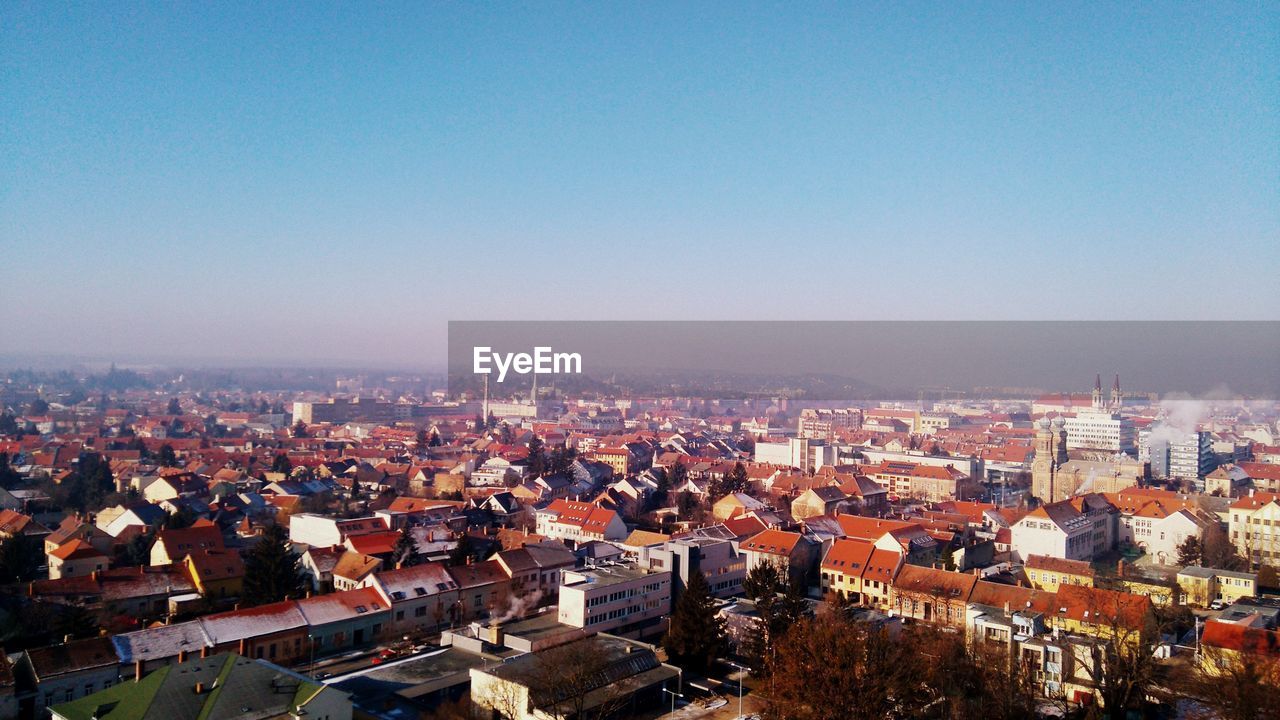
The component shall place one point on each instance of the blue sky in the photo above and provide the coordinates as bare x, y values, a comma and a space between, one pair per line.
314, 180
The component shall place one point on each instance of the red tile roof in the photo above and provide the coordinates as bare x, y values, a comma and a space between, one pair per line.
772, 542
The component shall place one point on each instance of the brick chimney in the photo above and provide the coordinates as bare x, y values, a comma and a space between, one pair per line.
137, 670
182, 656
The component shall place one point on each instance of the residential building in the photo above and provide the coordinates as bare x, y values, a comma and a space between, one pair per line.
420, 596
1224, 644
1159, 521
344, 620
172, 545
733, 505
70, 671
826, 424
277, 632
932, 595
827, 500
579, 522
918, 481
792, 553
1254, 527
537, 568
353, 569
1180, 455
843, 568
1203, 586
1077, 529
75, 559
217, 574
1049, 573
484, 588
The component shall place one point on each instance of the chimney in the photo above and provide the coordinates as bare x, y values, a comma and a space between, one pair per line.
96, 575
182, 656
137, 671
244, 646
495, 634
199, 688
204, 651
1120, 568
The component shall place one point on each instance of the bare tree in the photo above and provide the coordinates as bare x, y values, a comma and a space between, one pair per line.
1233, 685
566, 678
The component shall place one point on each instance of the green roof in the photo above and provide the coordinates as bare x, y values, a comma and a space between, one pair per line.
231, 686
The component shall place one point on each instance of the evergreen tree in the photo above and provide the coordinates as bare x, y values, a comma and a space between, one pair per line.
75, 621
421, 440
491, 422
696, 635
1190, 551
174, 408
462, 551
272, 572
477, 425
537, 458
764, 580
8, 476
20, 558
677, 474
405, 553
778, 612
435, 439
299, 429
167, 457
281, 464
137, 551
737, 481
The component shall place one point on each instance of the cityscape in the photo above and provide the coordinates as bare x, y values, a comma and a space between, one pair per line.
639, 360
386, 550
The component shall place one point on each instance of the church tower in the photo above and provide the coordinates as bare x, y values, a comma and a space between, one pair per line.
1097, 392
1116, 398
1050, 454
1042, 465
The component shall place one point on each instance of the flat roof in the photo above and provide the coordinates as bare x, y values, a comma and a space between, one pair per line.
605, 575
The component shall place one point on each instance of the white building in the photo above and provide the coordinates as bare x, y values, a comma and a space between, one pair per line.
321, 531
1100, 430
718, 560
802, 453
617, 599
1076, 529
